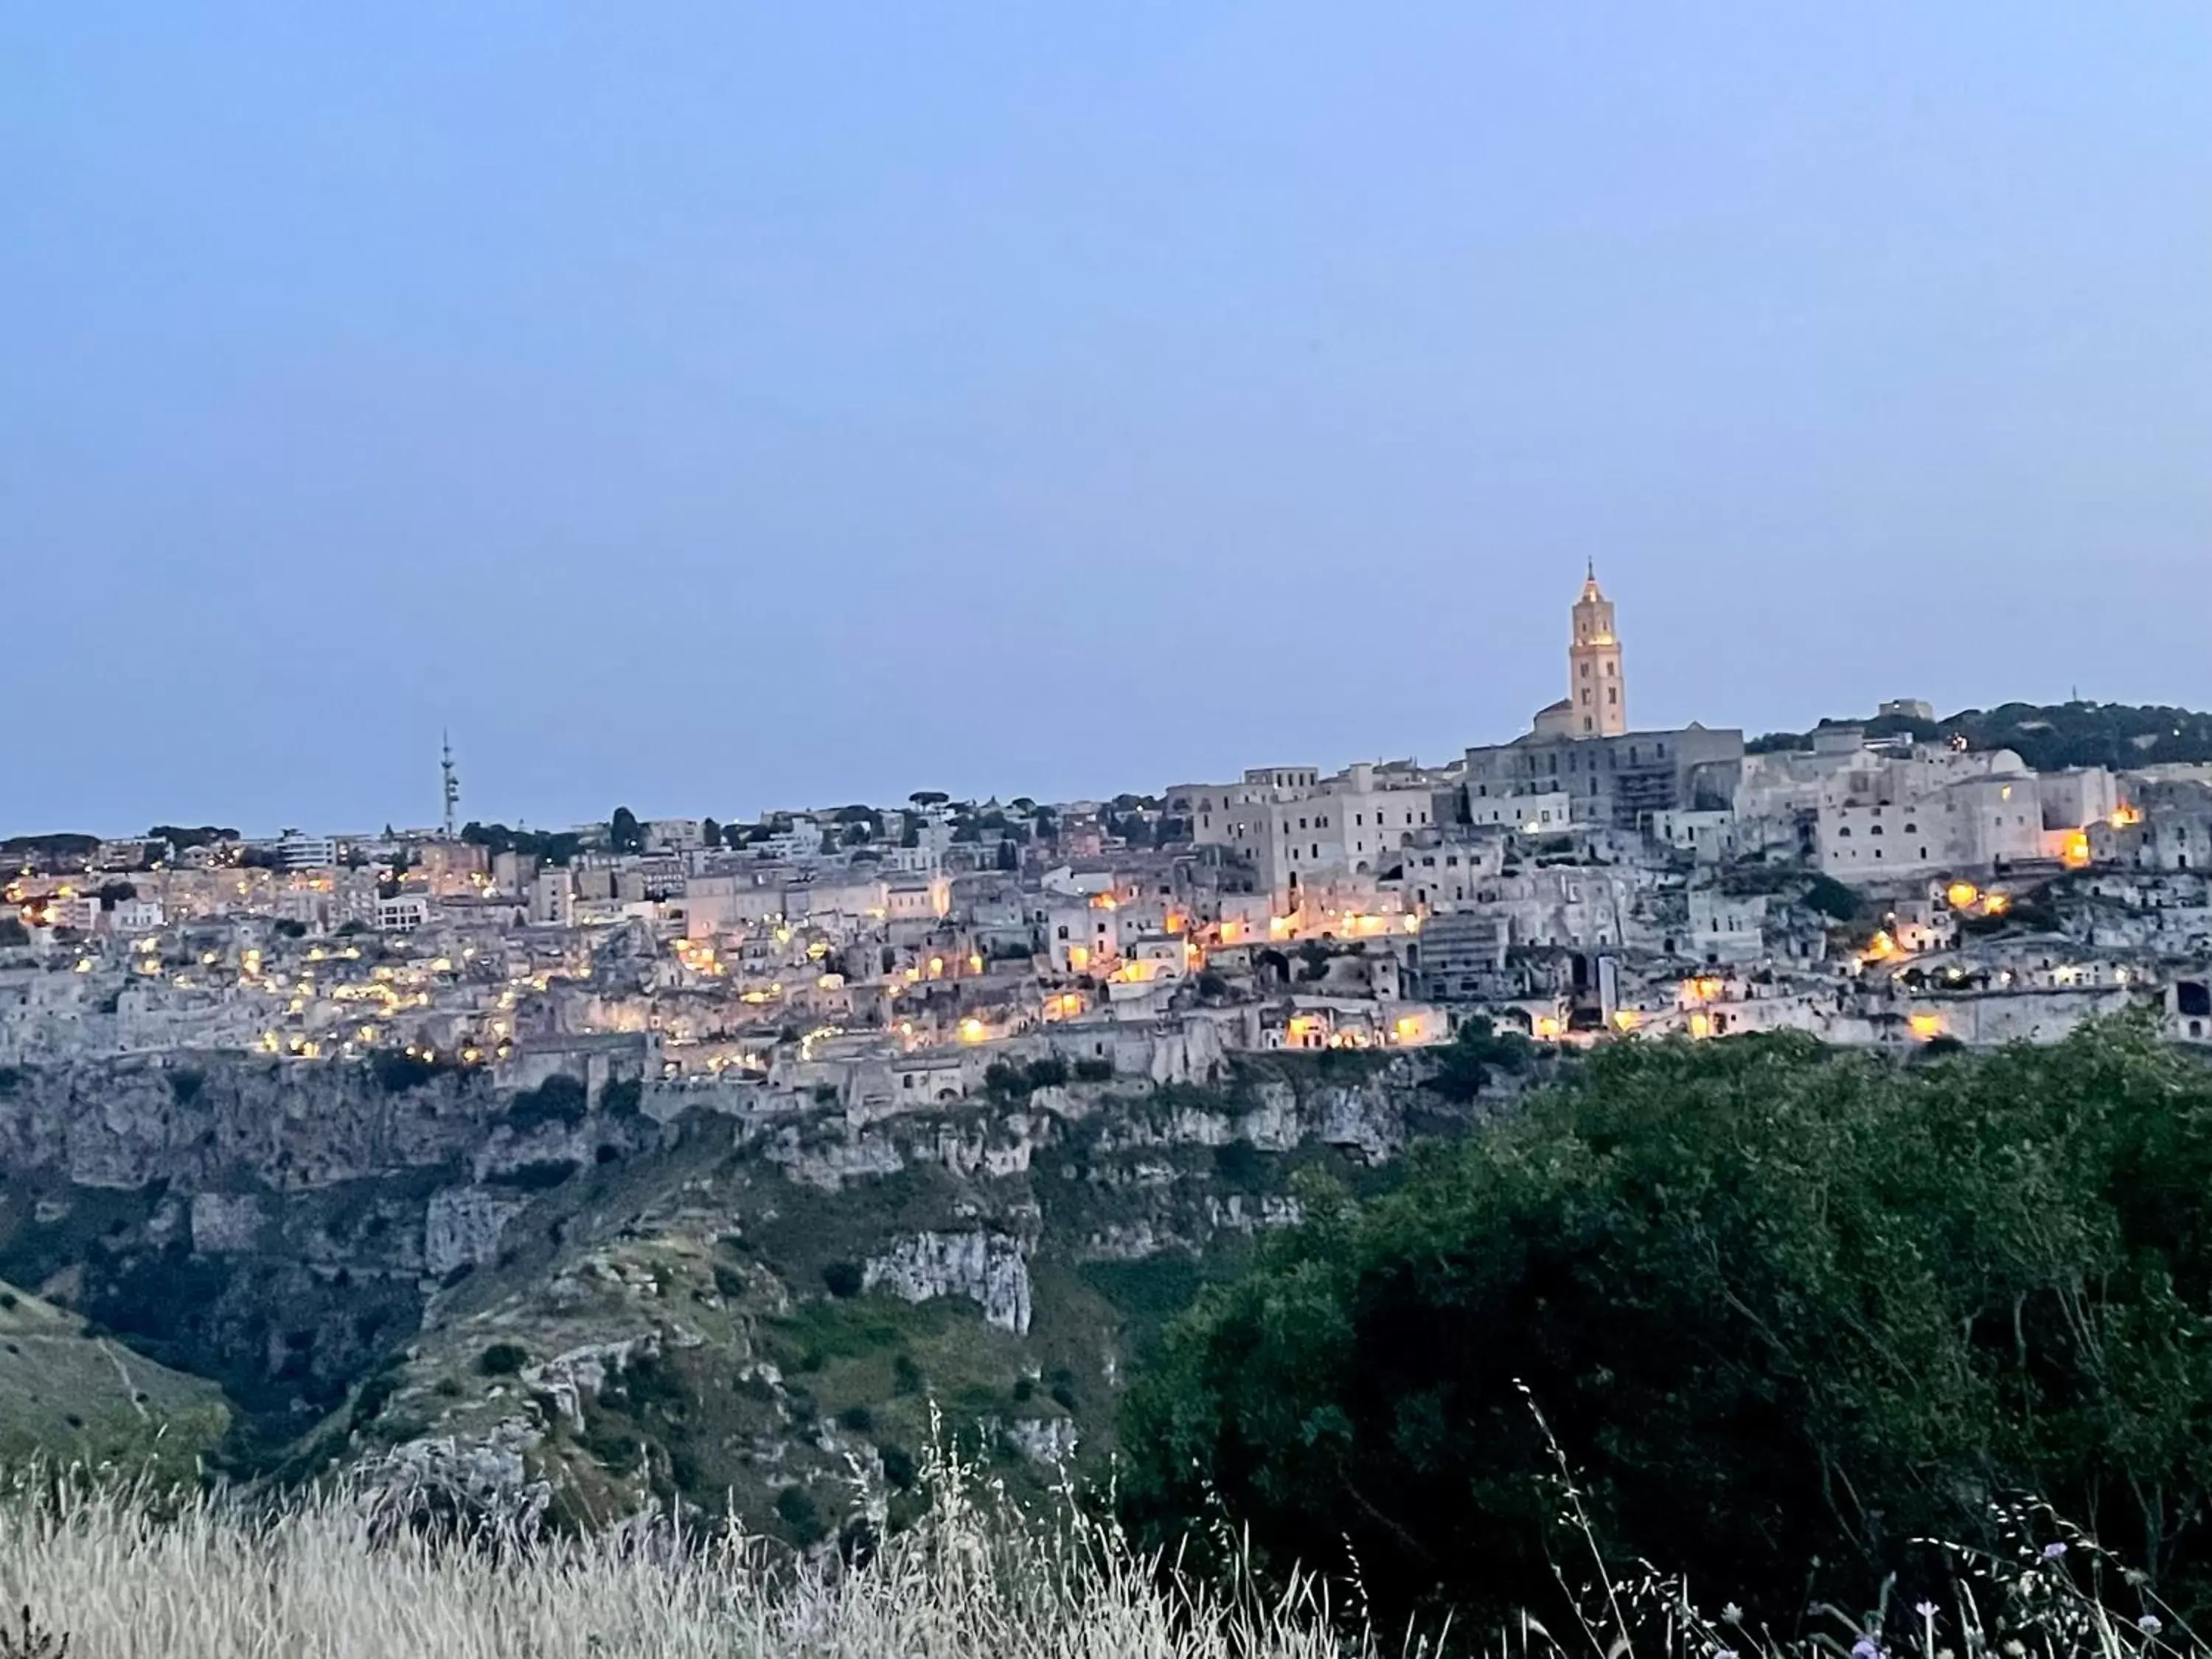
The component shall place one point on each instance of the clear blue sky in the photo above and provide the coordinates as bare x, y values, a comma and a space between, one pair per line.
709, 405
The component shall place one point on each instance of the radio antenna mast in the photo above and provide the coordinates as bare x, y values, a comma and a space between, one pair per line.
449, 783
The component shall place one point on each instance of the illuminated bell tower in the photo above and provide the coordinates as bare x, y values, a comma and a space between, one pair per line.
1596, 690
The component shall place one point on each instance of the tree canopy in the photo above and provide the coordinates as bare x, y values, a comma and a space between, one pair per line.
549, 847
2047, 737
1782, 1306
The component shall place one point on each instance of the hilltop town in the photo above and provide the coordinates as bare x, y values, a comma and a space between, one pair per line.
1587, 881
671, 1158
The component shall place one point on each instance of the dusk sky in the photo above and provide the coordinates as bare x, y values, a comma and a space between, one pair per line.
708, 407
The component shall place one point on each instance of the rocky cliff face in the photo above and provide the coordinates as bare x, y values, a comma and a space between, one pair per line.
276, 1226
988, 1268
605, 1300
219, 1122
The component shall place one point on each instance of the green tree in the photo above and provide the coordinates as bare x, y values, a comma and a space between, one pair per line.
624, 834
710, 834
1477, 1049
1781, 1304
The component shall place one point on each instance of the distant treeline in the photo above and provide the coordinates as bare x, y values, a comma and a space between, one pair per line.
71, 844
2048, 737
547, 846
59, 844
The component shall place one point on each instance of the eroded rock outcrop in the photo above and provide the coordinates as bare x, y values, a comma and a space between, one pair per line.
988, 1268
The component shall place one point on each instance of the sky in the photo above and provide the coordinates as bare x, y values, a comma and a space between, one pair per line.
711, 406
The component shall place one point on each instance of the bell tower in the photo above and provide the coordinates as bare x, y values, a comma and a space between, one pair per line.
1597, 694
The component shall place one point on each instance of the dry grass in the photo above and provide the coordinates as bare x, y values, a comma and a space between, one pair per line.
343, 1575
204, 1578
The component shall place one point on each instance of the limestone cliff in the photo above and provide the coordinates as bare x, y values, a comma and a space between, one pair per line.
609, 1298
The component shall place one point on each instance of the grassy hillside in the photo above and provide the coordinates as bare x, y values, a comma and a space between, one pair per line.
68, 1395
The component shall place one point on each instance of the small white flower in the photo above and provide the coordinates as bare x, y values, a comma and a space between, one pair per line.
2052, 1552
1731, 1613
1925, 1609
2150, 1624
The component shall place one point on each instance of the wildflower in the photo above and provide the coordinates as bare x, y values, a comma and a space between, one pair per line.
2052, 1552
1866, 1648
2150, 1624
1731, 1614
1925, 1609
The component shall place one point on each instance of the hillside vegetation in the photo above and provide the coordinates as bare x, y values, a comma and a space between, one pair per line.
1789, 1310
68, 1395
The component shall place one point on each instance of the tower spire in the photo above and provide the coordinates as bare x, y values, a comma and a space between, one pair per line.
1597, 689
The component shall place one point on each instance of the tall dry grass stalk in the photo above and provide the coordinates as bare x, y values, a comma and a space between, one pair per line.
123, 1573
330, 1577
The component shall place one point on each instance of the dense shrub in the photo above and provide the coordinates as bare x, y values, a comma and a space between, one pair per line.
1010, 1080
396, 1072
540, 1175
1783, 1306
1476, 1051
557, 1100
796, 1508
